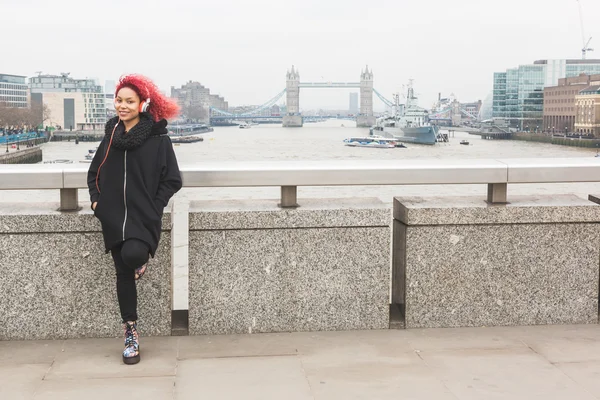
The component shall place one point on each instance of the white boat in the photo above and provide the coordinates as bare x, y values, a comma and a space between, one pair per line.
60, 161
90, 155
377, 142
245, 125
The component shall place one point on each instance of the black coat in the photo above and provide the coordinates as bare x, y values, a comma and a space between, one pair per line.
135, 182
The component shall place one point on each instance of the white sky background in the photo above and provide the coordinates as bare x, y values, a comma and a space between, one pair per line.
241, 49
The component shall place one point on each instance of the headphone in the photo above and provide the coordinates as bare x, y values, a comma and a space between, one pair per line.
144, 105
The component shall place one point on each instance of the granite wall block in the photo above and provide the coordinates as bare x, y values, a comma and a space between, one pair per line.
56, 282
496, 271
273, 273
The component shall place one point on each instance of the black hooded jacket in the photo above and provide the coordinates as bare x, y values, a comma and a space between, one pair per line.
134, 182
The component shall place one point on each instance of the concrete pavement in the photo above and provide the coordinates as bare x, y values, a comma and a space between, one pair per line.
543, 362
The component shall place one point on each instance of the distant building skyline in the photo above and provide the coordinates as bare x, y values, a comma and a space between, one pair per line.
519, 92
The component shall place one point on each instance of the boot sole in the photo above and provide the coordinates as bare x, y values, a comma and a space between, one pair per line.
131, 360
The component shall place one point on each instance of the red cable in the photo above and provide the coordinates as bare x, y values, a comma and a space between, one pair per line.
106, 155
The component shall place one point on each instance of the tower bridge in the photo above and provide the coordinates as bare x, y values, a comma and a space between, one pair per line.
293, 117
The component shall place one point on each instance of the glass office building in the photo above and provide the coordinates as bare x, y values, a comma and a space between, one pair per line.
13, 90
519, 92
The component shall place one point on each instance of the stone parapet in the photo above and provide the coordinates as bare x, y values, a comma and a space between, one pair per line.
462, 262
258, 268
58, 283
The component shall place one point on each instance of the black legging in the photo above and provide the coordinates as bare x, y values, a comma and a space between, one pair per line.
131, 255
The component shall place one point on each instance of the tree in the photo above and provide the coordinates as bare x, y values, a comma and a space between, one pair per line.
11, 116
195, 112
39, 114
18, 117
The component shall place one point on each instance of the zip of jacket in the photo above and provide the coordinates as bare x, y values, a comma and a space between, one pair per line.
125, 191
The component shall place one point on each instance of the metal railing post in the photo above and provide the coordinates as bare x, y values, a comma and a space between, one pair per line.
69, 200
289, 197
497, 193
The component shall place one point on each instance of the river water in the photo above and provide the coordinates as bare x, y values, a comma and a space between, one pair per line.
323, 141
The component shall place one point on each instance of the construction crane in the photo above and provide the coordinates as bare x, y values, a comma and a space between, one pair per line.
586, 47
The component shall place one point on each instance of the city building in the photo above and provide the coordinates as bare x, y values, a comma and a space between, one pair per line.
587, 108
72, 103
560, 108
519, 92
110, 87
196, 99
353, 108
191, 94
449, 110
486, 107
13, 90
472, 111
275, 110
216, 101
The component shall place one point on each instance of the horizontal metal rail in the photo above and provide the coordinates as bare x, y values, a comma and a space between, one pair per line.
497, 174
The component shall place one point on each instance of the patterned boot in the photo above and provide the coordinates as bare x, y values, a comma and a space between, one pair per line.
139, 272
131, 354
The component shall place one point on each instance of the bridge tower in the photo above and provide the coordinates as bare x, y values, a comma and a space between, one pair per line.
366, 117
293, 117
456, 114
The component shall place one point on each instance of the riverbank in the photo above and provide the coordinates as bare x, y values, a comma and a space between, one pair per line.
564, 141
81, 136
29, 155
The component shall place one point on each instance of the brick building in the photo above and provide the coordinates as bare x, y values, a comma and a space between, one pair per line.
560, 105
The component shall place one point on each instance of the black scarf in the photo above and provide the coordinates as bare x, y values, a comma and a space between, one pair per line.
135, 137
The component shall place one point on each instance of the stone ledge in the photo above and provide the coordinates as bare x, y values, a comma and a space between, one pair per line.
45, 218
414, 211
264, 214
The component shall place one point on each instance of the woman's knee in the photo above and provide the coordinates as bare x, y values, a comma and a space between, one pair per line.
135, 253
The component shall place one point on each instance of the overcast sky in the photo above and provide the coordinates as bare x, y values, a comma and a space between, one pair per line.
241, 49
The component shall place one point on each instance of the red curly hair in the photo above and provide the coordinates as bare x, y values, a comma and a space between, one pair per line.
160, 105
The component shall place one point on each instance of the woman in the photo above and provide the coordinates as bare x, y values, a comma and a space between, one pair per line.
133, 175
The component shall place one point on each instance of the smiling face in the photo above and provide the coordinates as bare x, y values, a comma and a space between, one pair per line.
127, 104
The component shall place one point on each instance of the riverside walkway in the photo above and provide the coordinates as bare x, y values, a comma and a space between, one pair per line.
512, 363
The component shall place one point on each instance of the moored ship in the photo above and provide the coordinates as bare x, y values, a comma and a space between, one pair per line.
408, 123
